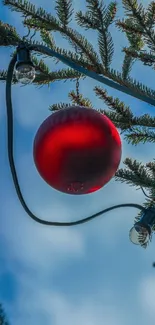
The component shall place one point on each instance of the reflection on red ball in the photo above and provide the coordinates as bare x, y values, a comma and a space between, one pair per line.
77, 150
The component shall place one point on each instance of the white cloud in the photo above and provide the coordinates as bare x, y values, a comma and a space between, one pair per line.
30, 106
29, 243
58, 309
146, 294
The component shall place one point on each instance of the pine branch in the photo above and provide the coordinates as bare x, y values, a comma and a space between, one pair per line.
112, 74
137, 13
40, 79
106, 48
71, 35
48, 39
128, 177
145, 120
91, 55
64, 11
29, 10
104, 16
79, 100
8, 35
128, 82
84, 62
143, 56
131, 83
3, 75
40, 66
134, 38
41, 23
143, 176
134, 10
98, 10
151, 167
41, 20
74, 101
150, 15
65, 74
135, 174
57, 107
105, 42
136, 43
139, 169
138, 135
120, 123
98, 17
127, 66
44, 76
110, 14
129, 27
87, 21
3, 320
122, 116
82, 45
114, 104
20, 6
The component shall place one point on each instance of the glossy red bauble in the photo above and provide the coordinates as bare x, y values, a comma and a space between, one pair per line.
77, 150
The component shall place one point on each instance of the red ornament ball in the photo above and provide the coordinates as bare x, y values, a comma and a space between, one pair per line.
77, 150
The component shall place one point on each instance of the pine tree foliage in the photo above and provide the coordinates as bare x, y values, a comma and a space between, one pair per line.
3, 320
98, 17
138, 175
8, 35
64, 12
138, 26
147, 58
80, 100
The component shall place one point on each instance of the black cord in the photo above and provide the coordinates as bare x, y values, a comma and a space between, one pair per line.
91, 74
13, 169
149, 197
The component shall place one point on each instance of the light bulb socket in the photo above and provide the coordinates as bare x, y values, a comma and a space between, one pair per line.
23, 55
145, 226
148, 217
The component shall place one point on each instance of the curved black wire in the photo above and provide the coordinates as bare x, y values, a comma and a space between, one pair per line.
149, 197
91, 74
13, 169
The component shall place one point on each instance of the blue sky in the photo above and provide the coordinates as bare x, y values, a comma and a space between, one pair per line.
88, 275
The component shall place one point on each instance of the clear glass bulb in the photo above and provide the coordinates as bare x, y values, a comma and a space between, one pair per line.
139, 235
25, 73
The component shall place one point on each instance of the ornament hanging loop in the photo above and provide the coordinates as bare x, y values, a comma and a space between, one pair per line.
33, 35
28, 33
77, 91
78, 78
